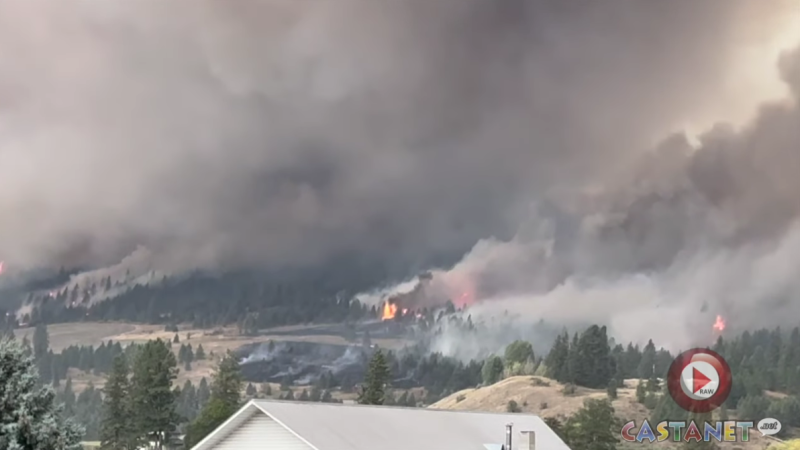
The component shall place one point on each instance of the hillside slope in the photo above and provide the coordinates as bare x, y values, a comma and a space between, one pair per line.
545, 398
540, 396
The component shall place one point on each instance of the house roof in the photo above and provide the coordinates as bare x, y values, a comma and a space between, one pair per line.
327, 426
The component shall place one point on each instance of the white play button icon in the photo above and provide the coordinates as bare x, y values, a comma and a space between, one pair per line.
699, 380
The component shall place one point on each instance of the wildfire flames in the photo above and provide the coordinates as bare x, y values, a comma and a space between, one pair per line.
389, 311
719, 325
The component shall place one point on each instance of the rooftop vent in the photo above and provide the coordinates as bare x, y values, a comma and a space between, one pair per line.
528, 440
508, 436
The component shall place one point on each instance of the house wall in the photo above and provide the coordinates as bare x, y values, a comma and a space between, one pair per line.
260, 432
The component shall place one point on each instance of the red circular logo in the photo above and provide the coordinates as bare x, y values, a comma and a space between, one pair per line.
699, 380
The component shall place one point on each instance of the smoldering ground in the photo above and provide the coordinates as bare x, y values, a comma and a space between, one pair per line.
229, 134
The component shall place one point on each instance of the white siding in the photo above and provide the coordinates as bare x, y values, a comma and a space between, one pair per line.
262, 433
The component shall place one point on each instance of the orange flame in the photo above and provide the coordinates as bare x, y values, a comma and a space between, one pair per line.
389, 311
719, 325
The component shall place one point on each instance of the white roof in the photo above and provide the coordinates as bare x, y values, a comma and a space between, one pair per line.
327, 426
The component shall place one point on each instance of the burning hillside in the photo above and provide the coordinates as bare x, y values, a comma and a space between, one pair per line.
430, 290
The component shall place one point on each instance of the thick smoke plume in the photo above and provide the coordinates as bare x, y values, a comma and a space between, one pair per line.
225, 134
228, 133
692, 232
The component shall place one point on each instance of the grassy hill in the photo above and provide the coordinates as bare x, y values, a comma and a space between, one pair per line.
541, 396
546, 398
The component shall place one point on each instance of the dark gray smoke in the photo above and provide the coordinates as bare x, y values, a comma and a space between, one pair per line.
691, 233
231, 133
221, 134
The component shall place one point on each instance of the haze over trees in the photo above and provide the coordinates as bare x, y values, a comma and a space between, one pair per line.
762, 361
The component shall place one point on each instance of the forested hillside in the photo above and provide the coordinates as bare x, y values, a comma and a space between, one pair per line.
765, 366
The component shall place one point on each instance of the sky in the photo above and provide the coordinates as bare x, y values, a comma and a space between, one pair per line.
653, 137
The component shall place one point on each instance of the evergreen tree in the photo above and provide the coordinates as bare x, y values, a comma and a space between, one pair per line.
641, 392
593, 427
226, 387
116, 432
41, 341
176, 339
373, 390
556, 360
203, 393
29, 417
611, 389
68, 397
574, 367
304, 396
266, 390
200, 354
250, 391
492, 370
518, 352
153, 400
647, 363
593, 365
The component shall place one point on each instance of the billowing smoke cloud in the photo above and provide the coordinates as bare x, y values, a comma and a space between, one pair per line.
221, 134
693, 232
229, 133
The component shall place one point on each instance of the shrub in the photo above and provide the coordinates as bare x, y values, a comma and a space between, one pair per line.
539, 382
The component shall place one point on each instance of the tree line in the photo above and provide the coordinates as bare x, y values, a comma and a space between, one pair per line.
253, 300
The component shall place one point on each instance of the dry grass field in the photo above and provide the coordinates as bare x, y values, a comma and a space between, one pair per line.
215, 342
63, 335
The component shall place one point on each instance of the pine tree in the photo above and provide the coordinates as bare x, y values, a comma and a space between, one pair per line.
29, 417
641, 392
518, 352
266, 390
316, 394
41, 341
556, 360
203, 393
116, 432
153, 400
648, 361
250, 391
68, 397
575, 369
492, 370
611, 389
593, 427
200, 354
373, 391
226, 388
304, 396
